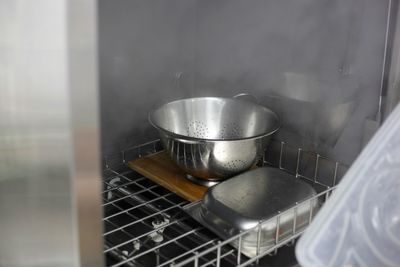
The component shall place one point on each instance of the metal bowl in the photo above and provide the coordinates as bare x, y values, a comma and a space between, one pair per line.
213, 138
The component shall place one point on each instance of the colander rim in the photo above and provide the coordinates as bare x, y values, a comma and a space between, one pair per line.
189, 138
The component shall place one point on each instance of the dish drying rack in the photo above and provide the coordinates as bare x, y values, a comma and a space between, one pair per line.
145, 225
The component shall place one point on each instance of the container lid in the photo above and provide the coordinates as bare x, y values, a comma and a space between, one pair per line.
253, 196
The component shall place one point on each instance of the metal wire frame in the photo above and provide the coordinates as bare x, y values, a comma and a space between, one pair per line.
277, 242
117, 182
143, 221
207, 249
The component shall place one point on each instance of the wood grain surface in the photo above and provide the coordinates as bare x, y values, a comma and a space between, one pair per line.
162, 170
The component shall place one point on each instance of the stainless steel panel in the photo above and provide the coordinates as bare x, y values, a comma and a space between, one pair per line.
143, 49
84, 129
332, 50
155, 51
392, 97
49, 167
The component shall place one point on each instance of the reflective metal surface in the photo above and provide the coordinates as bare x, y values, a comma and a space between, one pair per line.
214, 138
84, 158
392, 72
251, 201
50, 207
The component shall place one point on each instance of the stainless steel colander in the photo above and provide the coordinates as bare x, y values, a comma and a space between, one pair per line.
213, 138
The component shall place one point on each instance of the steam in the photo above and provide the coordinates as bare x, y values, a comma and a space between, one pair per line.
300, 58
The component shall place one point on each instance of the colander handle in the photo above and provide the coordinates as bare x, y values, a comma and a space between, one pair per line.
247, 97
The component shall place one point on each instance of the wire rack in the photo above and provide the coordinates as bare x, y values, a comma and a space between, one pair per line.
145, 224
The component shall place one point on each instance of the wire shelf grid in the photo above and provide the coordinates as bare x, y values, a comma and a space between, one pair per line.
146, 226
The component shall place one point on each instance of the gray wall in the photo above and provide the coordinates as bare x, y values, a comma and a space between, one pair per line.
331, 50
143, 45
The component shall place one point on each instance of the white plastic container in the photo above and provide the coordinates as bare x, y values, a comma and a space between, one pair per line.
360, 224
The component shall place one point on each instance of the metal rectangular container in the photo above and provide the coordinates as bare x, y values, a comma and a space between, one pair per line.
259, 202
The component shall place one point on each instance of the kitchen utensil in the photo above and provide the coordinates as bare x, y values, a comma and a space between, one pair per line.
213, 138
252, 200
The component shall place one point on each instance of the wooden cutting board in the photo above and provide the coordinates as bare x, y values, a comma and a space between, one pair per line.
162, 170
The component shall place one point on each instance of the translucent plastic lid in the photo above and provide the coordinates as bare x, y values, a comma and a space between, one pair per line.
360, 224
